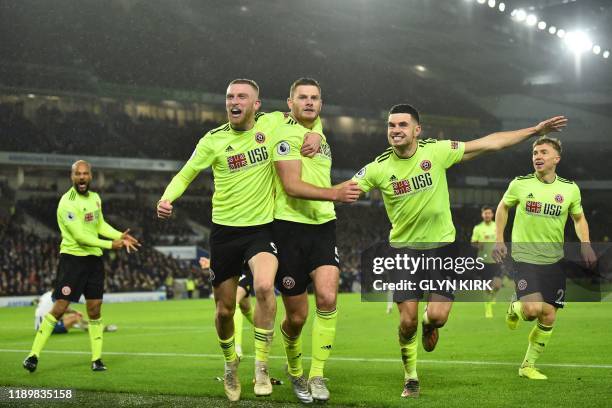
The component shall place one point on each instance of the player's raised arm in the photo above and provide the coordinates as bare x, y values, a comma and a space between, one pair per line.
201, 158
501, 140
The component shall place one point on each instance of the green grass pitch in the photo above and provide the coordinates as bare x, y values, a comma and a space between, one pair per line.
166, 354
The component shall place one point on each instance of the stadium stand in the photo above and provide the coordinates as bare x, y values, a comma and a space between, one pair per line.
28, 263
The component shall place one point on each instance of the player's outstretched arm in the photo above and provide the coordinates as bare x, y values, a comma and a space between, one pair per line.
501, 140
582, 231
501, 219
290, 174
175, 189
202, 157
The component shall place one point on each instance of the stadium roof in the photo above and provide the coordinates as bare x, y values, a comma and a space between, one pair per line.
365, 53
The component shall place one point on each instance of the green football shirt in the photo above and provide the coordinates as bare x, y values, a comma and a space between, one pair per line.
541, 214
486, 235
316, 171
80, 221
242, 169
415, 192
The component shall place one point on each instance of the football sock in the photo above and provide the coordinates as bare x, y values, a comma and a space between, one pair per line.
323, 334
42, 335
293, 350
408, 348
538, 338
229, 349
96, 328
263, 342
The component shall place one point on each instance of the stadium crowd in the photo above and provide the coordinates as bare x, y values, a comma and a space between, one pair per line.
23, 270
28, 264
116, 134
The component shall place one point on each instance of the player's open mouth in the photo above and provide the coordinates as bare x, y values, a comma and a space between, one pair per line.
539, 163
82, 185
397, 138
235, 112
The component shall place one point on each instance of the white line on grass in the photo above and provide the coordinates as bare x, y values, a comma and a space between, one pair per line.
351, 359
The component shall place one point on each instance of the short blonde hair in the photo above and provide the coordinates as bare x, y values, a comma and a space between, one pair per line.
246, 81
553, 141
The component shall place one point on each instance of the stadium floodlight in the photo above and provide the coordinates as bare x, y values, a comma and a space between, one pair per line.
606, 54
502, 7
552, 30
578, 42
520, 15
491, 3
542, 25
596, 49
513, 13
561, 33
532, 19
481, 1
420, 68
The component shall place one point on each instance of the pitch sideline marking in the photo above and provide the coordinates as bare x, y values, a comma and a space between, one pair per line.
350, 359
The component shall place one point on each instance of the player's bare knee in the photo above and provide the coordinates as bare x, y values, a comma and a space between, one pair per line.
437, 318
59, 308
296, 320
264, 290
531, 311
326, 302
225, 312
93, 310
94, 314
57, 314
408, 326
